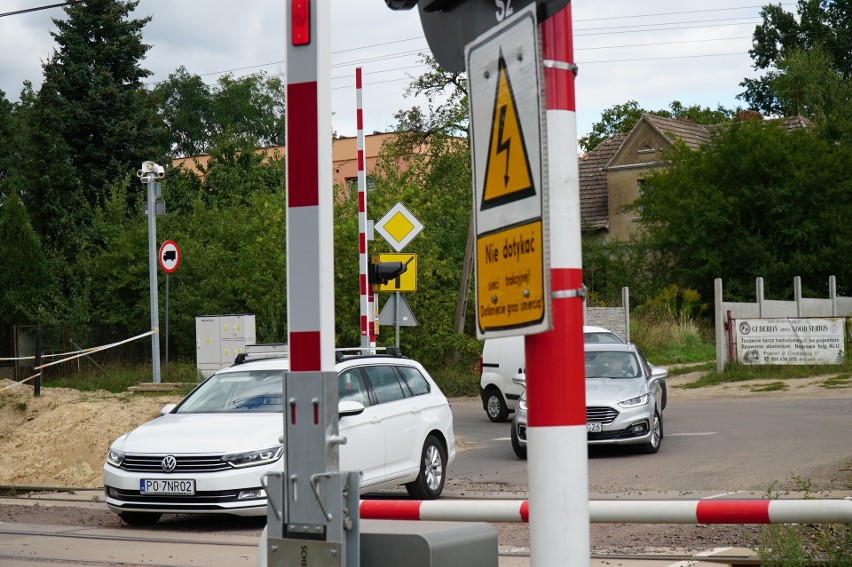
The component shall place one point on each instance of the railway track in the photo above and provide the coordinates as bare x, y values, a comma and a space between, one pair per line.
27, 540
23, 545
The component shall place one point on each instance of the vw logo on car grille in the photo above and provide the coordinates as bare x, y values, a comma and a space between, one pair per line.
169, 463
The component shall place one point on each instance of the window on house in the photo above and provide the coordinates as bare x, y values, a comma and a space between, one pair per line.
646, 148
352, 184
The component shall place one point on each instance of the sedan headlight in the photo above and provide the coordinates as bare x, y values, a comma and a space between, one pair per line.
522, 401
115, 457
254, 458
634, 402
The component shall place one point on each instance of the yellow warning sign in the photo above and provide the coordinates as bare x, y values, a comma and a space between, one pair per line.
510, 277
406, 281
508, 176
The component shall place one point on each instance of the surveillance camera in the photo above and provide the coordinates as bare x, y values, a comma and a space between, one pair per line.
160, 172
401, 4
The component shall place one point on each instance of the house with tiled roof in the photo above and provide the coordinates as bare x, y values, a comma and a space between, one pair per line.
612, 174
640, 153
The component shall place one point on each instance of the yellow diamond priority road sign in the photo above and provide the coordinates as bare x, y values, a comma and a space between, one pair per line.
398, 227
509, 180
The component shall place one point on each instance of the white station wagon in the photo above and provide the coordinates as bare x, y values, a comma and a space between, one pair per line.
210, 452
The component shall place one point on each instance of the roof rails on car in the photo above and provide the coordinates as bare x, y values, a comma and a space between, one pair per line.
342, 354
259, 352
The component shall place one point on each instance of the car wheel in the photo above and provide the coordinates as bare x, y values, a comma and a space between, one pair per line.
495, 405
520, 450
665, 395
140, 518
653, 445
433, 468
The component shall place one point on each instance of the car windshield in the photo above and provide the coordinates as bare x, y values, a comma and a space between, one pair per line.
602, 338
248, 391
610, 364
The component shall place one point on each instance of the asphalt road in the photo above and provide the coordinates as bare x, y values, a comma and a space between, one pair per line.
710, 447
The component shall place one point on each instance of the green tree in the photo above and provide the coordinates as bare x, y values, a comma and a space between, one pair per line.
758, 201
28, 292
230, 226
447, 112
621, 118
808, 84
184, 102
91, 114
435, 185
6, 116
249, 108
820, 23
616, 119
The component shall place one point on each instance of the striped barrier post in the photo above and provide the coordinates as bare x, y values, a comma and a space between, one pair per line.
556, 388
368, 330
621, 511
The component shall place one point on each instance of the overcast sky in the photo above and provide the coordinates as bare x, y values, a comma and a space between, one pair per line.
650, 51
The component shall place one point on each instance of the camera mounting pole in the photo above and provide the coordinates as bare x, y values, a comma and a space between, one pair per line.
150, 175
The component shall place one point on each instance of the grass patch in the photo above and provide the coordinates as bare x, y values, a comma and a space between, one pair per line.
741, 373
456, 381
801, 545
839, 381
771, 387
118, 377
686, 369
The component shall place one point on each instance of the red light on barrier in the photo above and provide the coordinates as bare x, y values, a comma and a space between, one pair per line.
300, 22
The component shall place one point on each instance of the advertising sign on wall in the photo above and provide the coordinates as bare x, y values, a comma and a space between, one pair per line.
790, 341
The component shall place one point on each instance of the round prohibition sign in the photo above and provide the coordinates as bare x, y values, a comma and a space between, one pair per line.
169, 256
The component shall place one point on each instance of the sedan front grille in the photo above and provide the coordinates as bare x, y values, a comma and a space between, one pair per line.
185, 464
602, 414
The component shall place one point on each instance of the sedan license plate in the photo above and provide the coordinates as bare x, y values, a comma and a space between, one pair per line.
595, 427
182, 487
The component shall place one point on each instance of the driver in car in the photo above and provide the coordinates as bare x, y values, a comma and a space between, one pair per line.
617, 368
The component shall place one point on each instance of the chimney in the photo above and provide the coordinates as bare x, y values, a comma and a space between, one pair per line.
744, 115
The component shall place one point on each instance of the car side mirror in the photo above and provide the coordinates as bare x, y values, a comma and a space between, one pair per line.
349, 407
167, 409
520, 378
659, 373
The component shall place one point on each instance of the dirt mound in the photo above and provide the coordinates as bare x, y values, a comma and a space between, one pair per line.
60, 438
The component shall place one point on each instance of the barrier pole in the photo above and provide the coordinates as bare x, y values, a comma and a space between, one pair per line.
368, 332
556, 389
736, 512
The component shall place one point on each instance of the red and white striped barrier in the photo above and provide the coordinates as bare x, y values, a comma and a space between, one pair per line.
622, 511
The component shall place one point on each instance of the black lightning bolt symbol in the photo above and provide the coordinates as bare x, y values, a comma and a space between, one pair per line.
503, 145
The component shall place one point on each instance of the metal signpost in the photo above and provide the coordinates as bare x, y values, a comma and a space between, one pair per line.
399, 227
169, 261
150, 174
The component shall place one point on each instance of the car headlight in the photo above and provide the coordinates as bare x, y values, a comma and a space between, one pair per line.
254, 458
115, 457
633, 402
522, 402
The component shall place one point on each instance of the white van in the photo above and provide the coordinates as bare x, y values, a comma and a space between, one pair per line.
503, 357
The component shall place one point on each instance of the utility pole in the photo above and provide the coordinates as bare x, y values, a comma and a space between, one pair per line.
150, 174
